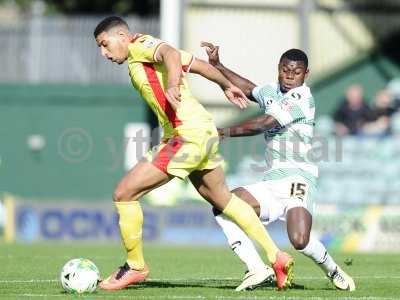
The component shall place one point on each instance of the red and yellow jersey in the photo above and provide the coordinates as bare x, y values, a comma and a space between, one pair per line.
149, 77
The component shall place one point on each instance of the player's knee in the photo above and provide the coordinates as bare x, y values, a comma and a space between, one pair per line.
121, 194
299, 240
205, 193
239, 192
243, 194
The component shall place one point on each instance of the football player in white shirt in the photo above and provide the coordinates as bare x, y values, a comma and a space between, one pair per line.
289, 183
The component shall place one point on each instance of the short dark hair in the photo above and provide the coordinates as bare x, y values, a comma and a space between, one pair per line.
295, 55
108, 23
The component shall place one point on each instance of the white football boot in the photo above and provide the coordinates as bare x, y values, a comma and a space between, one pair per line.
341, 280
256, 278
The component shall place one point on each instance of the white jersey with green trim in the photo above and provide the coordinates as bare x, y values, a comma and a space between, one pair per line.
288, 149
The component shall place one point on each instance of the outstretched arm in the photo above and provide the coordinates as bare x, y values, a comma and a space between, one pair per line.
213, 58
233, 93
249, 127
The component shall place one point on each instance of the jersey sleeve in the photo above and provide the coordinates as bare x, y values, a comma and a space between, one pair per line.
263, 95
293, 108
286, 112
145, 48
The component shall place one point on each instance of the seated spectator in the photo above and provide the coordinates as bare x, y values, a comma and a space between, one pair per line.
393, 88
382, 110
353, 113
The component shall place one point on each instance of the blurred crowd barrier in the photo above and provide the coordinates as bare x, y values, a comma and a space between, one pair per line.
343, 228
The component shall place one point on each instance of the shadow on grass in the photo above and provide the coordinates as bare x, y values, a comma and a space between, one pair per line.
185, 284
216, 284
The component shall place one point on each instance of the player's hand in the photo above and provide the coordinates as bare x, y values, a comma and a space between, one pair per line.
173, 95
236, 96
212, 52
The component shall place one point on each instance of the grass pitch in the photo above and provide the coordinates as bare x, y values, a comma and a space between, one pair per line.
31, 272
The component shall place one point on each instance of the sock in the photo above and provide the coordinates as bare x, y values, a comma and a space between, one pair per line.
243, 215
318, 253
240, 243
130, 225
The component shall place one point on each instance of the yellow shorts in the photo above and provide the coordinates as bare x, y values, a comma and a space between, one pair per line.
191, 150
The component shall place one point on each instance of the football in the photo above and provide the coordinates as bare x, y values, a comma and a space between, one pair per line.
79, 275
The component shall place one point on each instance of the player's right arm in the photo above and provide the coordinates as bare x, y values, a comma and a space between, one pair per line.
147, 49
171, 59
249, 127
278, 114
213, 58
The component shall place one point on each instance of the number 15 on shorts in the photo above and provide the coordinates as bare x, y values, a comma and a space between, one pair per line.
298, 190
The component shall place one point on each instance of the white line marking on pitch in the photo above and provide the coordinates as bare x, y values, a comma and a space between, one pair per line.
99, 257
28, 281
198, 279
92, 296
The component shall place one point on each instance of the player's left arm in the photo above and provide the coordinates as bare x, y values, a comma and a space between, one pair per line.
233, 93
171, 58
243, 83
249, 127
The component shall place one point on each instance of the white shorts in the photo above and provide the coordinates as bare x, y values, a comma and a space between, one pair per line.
276, 197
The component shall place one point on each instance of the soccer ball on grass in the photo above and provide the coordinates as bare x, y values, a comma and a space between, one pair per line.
79, 275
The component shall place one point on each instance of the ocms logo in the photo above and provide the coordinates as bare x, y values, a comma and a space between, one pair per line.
75, 224
78, 224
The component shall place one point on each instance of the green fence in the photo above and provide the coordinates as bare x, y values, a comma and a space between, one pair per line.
60, 141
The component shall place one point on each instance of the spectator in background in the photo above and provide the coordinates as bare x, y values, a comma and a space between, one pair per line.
393, 88
353, 113
382, 110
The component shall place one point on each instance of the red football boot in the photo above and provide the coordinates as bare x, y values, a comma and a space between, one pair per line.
123, 277
283, 268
